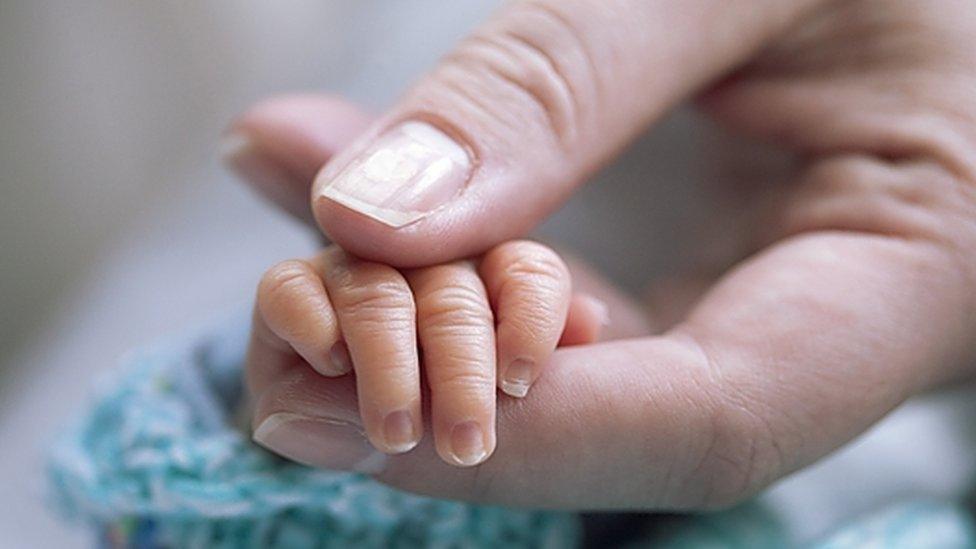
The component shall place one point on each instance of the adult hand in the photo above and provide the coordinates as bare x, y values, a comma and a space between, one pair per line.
857, 294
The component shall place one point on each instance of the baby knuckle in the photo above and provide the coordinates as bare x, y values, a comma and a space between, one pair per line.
532, 321
537, 263
465, 377
284, 282
528, 248
388, 300
454, 305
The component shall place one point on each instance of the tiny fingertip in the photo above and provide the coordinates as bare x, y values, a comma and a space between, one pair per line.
399, 433
516, 390
517, 379
340, 359
599, 308
467, 445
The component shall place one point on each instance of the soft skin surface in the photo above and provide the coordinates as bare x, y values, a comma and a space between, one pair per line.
850, 288
334, 313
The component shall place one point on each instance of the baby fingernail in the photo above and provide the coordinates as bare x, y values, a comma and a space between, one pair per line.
517, 378
404, 175
320, 442
399, 432
340, 359
601, 310
468, 444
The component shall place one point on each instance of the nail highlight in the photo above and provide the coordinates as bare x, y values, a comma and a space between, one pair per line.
320, 442
403, 176
518, 378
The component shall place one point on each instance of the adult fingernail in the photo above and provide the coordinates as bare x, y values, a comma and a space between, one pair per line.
402, 176
468, 444
399, 432
320, 442
517, 378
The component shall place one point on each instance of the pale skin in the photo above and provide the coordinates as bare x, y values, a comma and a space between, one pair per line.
851, 285
494, 320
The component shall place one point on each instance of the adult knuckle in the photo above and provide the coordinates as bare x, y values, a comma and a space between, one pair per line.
916, 200
533, 63
909, 199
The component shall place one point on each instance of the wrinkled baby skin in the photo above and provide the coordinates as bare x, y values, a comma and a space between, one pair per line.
450, 333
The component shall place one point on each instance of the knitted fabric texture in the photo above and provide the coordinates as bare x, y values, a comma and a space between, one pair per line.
157, 462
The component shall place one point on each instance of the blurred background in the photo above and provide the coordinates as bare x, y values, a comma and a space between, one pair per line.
118, 225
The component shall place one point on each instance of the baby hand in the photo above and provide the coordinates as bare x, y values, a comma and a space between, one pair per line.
495, 318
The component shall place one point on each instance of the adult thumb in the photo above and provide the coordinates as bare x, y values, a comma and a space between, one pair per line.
503, 129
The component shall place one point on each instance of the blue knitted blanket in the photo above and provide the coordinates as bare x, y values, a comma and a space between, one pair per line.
157, 462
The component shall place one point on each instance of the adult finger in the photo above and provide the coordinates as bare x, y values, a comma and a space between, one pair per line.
522, 111
278, 145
